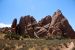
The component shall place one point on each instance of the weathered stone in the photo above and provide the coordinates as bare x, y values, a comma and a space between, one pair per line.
5, 30
57, 25
45, 20
14, 25
60, 24
26, 25
42, 32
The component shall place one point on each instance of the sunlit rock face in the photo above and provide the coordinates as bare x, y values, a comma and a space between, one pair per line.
46, 27
60, 24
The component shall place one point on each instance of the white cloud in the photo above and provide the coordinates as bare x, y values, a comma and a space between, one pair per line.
4, 25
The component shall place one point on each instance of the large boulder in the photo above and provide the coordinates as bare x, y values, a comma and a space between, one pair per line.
26, 25
42, 32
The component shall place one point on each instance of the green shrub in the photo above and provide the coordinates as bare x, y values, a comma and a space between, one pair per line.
12, 36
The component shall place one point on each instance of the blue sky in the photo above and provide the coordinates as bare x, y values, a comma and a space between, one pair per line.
10, 9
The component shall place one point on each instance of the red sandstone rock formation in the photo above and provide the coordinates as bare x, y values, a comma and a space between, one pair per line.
48, 26
26, 25
60, 24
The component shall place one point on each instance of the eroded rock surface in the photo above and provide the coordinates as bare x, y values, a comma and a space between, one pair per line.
56, 25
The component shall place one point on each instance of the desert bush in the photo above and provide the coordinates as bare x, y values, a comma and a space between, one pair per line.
2, 46
6, 48
58, 36
12, 36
